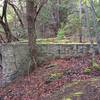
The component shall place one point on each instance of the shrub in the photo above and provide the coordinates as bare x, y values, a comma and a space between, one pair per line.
61, 32
70, 27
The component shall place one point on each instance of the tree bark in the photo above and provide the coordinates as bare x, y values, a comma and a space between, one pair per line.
55, 13
80, 35
31, 11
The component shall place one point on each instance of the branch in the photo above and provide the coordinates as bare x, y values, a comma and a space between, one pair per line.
39, 8
92, 8
15, 10
4, 10
2, 40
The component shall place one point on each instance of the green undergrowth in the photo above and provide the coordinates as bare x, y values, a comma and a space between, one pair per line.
93, 67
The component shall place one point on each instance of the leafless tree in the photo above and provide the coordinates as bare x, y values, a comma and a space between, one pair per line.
4, 22
33, 8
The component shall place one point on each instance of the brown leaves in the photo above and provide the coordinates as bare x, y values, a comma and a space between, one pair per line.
37, 89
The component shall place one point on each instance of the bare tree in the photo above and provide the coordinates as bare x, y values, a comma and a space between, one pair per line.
33, 8
4, 22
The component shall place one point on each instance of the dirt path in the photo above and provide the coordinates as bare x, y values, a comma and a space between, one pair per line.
80, 90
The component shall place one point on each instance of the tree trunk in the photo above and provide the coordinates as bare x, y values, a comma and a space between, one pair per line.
55, 13
8, 34
80, 21
95, 24
31, 31
90, 36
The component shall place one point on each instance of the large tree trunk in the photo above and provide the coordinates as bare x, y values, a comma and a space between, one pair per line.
31, 31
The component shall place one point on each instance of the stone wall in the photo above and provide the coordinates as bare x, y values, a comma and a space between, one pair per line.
51, 51
16, 59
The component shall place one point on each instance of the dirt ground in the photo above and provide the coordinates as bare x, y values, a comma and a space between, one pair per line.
60, 79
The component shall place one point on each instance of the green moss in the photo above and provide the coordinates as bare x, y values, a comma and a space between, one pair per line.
97, 68
94, 64
67, 98
54, 41
78, 94
94, 67
56, 75
87, 71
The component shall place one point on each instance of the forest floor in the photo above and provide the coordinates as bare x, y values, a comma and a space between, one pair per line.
60, 79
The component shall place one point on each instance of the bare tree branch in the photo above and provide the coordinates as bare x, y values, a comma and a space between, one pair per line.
15, 10
39, 7
4, 9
